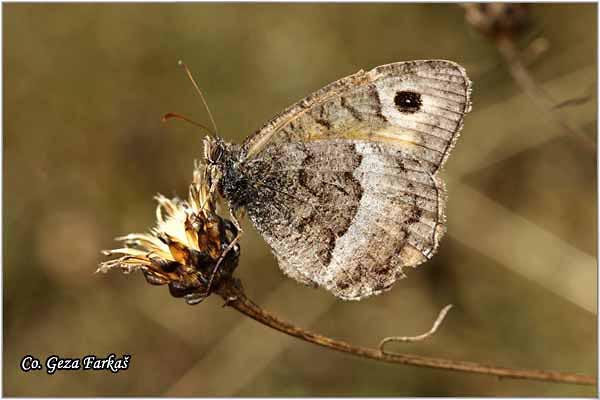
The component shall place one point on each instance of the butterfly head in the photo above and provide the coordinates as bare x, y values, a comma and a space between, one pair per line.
214, 157
222, 161
214, 147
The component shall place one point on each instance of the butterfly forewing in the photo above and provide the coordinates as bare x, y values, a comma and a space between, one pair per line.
418, 105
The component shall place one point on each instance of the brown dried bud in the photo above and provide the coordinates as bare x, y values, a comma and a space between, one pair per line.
493, 19
184, 249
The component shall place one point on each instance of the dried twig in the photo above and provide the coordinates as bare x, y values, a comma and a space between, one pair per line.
544, 101
418, 338
502, 23
235, 297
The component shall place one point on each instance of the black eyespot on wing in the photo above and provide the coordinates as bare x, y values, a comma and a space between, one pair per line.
408, 102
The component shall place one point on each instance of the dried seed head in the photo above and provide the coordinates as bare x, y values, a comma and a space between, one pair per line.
185, 245
494, 19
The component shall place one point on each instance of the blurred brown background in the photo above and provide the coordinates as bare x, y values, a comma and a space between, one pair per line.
84, 152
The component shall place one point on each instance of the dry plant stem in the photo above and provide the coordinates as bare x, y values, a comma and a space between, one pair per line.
235, 298
518, 70
418, 338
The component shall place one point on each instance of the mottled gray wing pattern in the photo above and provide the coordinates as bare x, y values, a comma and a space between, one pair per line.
376, 106
346, 215
344, 180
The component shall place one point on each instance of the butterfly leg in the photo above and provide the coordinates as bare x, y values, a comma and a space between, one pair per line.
231, 245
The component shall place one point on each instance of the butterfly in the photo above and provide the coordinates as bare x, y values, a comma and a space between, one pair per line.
343, 185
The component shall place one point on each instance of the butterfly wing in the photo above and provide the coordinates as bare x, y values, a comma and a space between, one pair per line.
344, 185
418, 105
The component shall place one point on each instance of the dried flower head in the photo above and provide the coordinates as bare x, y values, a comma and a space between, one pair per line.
494, 19
185, 248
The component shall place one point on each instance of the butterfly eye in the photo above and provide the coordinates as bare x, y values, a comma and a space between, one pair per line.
215, 153
408, 102
213, 150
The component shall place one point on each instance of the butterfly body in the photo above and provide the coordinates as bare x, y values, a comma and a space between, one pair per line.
343, 185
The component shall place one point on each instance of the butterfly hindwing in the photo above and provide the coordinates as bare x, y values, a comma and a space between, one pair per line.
345, 215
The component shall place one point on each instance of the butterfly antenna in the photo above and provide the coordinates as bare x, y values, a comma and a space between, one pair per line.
171, 115
189, 74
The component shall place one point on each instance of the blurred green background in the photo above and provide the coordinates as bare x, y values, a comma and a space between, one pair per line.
84, 152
